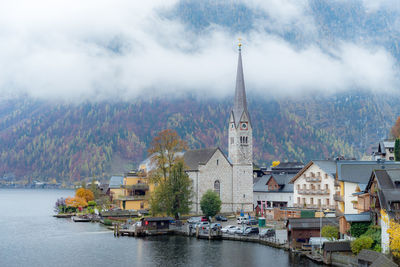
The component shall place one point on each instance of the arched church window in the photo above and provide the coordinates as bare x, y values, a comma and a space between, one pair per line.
241, 139
217, 187
246, 139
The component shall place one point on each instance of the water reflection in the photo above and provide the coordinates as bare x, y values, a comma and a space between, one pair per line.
30, 236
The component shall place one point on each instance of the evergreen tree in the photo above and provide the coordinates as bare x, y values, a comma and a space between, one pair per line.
397, 150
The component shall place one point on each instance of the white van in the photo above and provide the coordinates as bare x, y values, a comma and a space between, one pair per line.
242, 220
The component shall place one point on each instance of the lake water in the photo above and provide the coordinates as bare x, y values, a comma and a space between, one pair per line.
30, 236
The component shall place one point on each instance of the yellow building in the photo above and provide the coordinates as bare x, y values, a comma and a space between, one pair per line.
134, 192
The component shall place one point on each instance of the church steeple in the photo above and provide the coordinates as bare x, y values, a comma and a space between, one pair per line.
240, 105
240, 128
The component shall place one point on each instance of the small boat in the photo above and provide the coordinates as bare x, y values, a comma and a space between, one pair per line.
81, 219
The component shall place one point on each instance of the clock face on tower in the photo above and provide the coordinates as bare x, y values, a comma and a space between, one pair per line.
243, 126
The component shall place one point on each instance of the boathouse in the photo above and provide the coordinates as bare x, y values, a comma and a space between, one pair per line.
156, 223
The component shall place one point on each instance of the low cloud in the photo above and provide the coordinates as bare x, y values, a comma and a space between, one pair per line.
97, 50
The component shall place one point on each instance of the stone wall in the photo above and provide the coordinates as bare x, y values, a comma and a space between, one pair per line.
216, 169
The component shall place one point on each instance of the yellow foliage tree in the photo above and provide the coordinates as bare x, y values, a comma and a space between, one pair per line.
76, 202
275, 163
86, 194
394, 238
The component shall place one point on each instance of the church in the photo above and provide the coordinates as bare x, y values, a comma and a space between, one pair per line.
231, 177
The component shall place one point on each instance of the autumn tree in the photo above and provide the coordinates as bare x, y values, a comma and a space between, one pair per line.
76, 202
331, 232
394, 238
86, 194
395, 131
172, 196
164, 149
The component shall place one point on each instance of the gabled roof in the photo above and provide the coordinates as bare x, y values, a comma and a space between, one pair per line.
194, 158
377, 259
116, 182
388, 193
360, 171
328, 166
311, 223
281, 179
336, 246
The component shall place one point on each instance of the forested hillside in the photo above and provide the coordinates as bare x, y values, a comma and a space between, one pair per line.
40, 139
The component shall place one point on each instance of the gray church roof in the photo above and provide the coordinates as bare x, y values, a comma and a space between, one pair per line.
240, 105
195, 157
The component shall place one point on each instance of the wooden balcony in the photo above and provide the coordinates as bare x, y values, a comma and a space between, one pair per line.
122, 198
143, 187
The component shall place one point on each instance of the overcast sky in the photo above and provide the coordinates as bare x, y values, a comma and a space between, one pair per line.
121, 49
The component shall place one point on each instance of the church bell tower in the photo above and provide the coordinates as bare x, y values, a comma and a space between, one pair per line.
241, 146
240, 128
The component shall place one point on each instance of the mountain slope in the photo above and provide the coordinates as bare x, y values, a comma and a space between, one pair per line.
70, 142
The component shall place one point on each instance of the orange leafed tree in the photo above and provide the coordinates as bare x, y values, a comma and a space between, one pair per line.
395, 131
86, 194
76, 202
164, 149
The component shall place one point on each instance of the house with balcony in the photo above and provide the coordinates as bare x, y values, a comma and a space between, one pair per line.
314, 185
134, 192
351, 175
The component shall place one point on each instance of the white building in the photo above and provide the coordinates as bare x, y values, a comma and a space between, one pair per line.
314, 185
211, 169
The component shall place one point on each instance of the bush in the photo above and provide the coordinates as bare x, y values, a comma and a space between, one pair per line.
331, 232
358, 228
92, 203
374, 231
364, 242
378, 248
107, 222
90, 210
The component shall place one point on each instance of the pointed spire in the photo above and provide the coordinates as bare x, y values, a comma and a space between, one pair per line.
240, 105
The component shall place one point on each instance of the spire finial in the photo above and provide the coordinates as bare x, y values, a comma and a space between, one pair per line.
240, 44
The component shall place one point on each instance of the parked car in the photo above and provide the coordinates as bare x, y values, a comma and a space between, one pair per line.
204, 219
267, 232
242, 220
221, 218
203, 225
242, 230
194, 220
251, 230
233, 230
226, 228
252, 222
